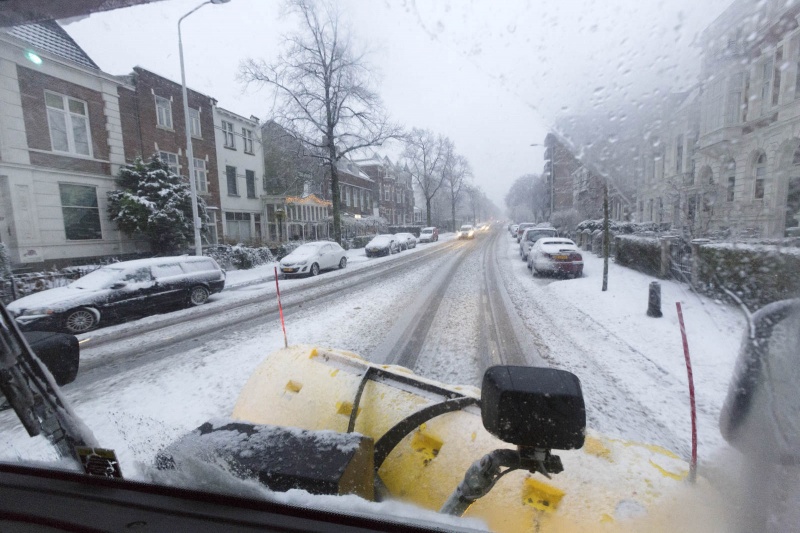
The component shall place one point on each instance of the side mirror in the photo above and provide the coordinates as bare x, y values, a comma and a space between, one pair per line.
533, 407
119, 285
760, 413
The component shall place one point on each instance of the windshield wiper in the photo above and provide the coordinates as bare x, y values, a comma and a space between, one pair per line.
30, 390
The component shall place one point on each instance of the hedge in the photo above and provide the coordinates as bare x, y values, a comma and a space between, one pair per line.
239, 257
757, 274
405, 229
640, 253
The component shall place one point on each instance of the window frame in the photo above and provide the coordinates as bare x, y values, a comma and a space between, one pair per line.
200, 167
247, 140
228, 177
250, 183
760, 176
194, 116
169, 126
228, 135
177, 165
68, 123
95, 208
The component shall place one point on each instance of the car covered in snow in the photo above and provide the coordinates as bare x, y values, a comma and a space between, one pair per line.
382, 245
430, 234
407, 240
465, 232
521, 229
311, 258
129, 288
531, 235
555, 256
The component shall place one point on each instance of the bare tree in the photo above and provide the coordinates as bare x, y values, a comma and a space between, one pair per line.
456, 171
324, 91
425, 155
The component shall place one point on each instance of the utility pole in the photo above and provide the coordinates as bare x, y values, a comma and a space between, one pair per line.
605, 235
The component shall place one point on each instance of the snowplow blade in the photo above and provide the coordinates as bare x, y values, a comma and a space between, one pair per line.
608, 485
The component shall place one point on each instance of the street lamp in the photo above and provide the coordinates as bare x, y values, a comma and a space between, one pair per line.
198, 246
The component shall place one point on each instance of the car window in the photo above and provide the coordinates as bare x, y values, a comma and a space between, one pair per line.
137, 275
167, 270
197, 266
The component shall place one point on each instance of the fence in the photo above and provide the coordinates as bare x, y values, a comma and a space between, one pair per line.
19, 285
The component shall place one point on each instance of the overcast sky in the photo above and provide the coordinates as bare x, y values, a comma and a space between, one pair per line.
490, 75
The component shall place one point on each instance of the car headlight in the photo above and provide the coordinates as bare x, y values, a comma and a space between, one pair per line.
36, 311
301, 263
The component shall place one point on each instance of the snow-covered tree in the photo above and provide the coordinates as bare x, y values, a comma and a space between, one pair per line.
155, 203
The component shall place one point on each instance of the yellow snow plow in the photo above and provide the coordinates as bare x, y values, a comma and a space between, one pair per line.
429, 440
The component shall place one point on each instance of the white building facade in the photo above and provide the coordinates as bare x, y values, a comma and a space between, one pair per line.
241, 178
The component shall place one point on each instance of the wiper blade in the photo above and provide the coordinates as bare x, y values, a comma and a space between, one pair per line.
30, 390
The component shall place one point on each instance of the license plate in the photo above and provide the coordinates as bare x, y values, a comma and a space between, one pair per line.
561, 257
288, 269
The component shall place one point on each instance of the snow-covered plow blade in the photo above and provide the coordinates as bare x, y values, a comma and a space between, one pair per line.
608, 485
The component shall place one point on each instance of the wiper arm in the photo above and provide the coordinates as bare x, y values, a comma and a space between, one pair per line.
31, 391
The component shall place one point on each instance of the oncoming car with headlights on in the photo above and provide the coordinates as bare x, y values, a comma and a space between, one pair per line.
313, 257
555, 256
465, 232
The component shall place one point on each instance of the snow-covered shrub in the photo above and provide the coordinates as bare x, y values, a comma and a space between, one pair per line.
360, 241
758, 274
239, 257
640, 253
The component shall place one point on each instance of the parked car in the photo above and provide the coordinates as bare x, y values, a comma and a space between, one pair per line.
512, 229
531, 235
521, 229
311, 258
60, 353
429, 234
407, 240
556, 256
139, 287
465, 232
382, 245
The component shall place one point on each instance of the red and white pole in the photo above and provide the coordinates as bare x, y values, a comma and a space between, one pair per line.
280, 309
693, 464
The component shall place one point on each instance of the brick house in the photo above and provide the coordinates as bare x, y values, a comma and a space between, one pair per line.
61, 144
151, 109
393, 189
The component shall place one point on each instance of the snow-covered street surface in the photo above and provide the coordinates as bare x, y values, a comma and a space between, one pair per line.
446, 310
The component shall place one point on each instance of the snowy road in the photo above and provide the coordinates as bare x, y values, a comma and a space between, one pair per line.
447, 311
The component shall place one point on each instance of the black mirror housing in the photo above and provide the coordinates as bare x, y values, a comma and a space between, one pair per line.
534, 407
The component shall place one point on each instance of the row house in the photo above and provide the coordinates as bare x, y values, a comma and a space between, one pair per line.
356, 189
241, 174
393, 188
61, 145
153, 123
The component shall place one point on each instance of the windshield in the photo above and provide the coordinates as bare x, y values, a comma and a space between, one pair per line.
99, 279
661, 138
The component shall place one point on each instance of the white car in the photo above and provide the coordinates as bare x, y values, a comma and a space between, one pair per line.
407, 240
465, 232
313, 257
531, 235
556, 256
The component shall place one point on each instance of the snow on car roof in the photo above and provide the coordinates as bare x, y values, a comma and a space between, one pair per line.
139, 263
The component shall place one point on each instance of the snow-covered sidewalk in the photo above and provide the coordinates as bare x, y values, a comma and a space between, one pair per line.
632, 366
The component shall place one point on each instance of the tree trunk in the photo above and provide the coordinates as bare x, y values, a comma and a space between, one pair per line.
335, 196
428, 210
605, 236
453, 213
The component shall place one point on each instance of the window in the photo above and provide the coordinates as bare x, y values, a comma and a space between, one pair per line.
776, 76
238, 226
81, 213
250, 179
230, 174
227, 135
68, 121
347, 195
194, 122
766, 86
679, 154
387, 194
714, 106
257, 224
761, 174
200, 175
171, 160
211, 227
247, 135
650, 209
731, 188
733, 111
163, 112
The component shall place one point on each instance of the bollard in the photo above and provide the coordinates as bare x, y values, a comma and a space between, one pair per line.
654, 300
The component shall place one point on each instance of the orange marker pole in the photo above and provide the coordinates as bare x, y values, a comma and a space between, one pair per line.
280, 309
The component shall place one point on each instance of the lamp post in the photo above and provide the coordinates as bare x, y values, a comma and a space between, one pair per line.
198, 246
